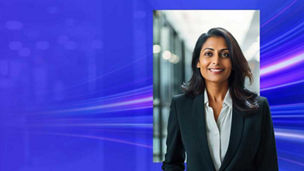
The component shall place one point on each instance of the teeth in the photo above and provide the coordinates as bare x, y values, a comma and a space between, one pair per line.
216, 70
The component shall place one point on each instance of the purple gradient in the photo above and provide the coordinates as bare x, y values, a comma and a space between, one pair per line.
279, 13
284, 64
98, 138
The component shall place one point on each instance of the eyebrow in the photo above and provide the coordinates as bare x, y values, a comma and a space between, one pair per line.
213, 49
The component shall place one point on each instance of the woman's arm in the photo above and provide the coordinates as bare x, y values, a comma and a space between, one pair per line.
175, 156
266, 158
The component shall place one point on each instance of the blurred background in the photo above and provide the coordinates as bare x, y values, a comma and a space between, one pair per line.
175, 33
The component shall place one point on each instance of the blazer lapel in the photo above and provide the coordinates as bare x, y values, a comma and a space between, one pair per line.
235, 136
199, 115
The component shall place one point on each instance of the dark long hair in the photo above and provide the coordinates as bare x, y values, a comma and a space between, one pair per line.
242, 98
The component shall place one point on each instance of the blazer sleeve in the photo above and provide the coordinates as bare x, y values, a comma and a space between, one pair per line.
266, 158
175, 155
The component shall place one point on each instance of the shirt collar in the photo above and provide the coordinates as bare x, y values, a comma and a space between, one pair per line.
227, 99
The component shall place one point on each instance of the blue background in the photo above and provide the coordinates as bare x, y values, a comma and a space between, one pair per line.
76, 81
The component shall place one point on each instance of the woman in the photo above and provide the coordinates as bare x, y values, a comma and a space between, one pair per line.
218, 123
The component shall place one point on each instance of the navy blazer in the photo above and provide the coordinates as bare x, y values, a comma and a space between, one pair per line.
251, 145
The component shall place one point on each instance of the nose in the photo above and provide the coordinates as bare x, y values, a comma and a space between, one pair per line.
216, 59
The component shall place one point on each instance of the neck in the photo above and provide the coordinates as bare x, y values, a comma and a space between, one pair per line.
216, 91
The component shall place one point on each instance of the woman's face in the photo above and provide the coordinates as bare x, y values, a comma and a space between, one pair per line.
214, 61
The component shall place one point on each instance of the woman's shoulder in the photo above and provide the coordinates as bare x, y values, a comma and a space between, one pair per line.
262, 101
181, 98
263, 105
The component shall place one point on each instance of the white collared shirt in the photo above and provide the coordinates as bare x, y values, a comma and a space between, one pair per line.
218, 132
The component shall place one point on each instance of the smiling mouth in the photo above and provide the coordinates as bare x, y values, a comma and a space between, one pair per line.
216, 70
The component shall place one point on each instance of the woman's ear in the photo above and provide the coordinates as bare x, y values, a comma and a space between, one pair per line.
198, 65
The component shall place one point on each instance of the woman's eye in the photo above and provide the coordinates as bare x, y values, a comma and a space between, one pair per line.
225, 55
209, 54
